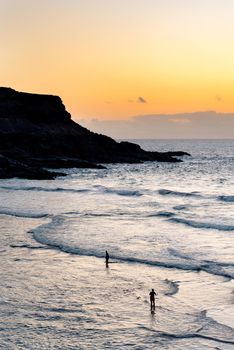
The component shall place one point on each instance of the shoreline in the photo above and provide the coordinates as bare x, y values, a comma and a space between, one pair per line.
46, 288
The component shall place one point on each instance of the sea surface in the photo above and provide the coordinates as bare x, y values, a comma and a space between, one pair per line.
166, 226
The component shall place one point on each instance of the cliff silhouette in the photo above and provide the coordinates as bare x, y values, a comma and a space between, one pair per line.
36, 132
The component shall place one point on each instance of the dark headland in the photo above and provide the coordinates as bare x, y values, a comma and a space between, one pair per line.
36, 132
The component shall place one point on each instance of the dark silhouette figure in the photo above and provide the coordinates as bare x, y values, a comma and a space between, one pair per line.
107, 258
152, 299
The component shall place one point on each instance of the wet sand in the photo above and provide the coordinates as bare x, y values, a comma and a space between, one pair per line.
54, 300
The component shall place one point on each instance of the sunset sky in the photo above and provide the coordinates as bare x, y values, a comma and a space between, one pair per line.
112, 60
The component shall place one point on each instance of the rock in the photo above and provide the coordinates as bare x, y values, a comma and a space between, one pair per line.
11, 168
56, 163
177, 154
37, 131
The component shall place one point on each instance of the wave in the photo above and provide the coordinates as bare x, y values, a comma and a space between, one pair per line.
165, 192
189, 336
226, 198
43, 189
205, 225
112, 214
181, 207
196, 266
173, 287
87, 214
120, 192
28, 246
178, 254
167, 214
21, 214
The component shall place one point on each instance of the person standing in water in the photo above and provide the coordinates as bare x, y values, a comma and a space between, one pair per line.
107, 258
152, 299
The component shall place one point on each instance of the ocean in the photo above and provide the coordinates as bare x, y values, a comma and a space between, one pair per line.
167, 226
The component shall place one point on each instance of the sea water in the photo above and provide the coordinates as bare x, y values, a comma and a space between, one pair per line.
167, 226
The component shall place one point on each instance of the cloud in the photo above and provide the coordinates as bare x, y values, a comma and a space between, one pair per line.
180, 120
201, 125
141, 100
218, 98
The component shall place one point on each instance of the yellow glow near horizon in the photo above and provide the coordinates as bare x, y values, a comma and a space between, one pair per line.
100, 56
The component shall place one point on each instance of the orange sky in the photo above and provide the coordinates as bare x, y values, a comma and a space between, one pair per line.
111, 59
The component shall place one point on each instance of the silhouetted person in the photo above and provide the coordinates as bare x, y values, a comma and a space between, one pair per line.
152, 299
107, 258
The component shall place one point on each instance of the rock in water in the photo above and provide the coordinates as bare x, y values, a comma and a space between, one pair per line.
37, 131
12, 168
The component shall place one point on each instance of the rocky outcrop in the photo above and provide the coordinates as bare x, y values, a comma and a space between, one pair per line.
37, 132
12, 168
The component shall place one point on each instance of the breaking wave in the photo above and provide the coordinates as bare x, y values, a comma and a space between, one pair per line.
226, 198
173, 287
22, 214
41, 237
206, 225
122, 192
101, 189
166, 214
191, 336
165, 192
28, 246
43, 189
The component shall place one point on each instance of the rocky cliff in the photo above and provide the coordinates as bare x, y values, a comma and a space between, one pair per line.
37, 132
